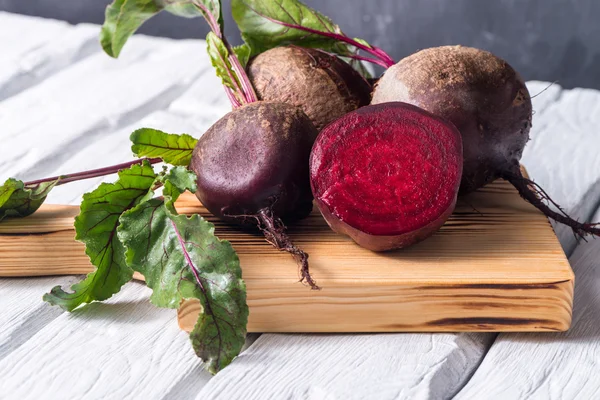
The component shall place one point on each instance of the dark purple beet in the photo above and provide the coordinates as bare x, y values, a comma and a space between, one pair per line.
324, 86
479, 93
487, 100
252, 168
387, 175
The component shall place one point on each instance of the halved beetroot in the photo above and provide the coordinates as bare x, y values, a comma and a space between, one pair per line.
387, 175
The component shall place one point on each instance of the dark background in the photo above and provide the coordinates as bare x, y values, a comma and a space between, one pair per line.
552, 40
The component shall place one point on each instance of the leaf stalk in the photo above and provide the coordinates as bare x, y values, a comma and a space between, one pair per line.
94, 173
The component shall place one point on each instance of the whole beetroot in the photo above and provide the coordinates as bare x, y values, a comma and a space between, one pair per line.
487, 100
324, 86
252, 169
475, 90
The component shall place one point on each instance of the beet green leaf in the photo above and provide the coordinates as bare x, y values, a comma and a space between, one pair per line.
96, 226
20, 200
124, 17
177, 181
173, 149
219, 57
181, 258
268, 24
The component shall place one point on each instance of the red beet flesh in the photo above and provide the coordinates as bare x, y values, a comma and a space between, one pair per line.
387, 175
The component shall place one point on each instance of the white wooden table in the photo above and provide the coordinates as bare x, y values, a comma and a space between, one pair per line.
65, 107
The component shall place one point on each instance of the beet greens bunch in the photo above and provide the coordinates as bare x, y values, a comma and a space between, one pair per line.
127, 226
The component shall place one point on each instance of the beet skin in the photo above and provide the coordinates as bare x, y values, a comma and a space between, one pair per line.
479, 93
252, 169
387, 175
253, 158
324, 86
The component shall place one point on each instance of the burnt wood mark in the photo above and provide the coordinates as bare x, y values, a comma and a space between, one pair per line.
487, 321
499, 286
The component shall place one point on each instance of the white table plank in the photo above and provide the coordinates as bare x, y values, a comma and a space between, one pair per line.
123, 348
45, 125
555, 365
114, 148
202, 104
42, 52
205, 98
564, 153
383, 366
104, 350
187, 114
23, 311
21, 34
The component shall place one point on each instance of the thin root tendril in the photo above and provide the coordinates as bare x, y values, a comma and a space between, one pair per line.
274, 231
534, 194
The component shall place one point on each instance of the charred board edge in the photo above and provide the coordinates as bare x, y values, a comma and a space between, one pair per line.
548, 307
500, 286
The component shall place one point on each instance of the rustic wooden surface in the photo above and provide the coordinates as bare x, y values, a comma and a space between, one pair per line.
566, 364
64, 106
470, 276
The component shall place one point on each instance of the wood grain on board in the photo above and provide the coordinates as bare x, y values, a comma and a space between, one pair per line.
560, 365
496, 265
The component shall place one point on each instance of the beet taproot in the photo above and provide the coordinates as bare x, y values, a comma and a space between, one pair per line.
324, 86
252, 169
487, 100
479, 93
387, 175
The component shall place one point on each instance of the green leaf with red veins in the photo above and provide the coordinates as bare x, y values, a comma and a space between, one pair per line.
173, 149
96, 226
210, 10
268, 24
124, 17
181, 258
20, 200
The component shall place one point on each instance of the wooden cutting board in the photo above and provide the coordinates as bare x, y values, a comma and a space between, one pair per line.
496, 265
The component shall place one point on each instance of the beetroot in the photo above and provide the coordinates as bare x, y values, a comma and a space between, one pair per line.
479, 93
487, 100
252, 169
324, 86
387, 175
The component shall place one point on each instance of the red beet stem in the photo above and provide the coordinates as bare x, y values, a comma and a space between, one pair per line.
210, 18
94, 173
243, 87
